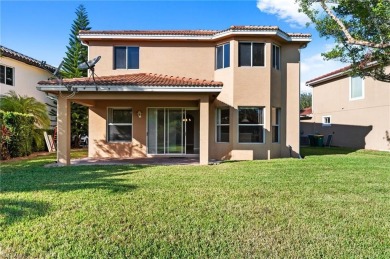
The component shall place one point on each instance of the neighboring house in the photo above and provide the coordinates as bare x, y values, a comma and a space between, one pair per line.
230, 94
355, 110
20, 73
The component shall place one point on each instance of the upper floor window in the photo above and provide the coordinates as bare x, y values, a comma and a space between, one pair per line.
276, 57
6, 75
126, 57
356, 88
251, 54
119, 125
223, 124
223, 56
250, 125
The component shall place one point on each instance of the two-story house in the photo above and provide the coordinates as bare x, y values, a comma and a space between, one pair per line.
354, 110
230, 94
20, 73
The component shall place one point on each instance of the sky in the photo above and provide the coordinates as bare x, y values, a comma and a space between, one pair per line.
40, 29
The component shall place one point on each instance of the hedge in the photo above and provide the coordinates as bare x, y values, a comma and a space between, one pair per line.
17, 132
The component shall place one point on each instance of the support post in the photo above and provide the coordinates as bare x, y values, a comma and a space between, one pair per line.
204, 130
63, 131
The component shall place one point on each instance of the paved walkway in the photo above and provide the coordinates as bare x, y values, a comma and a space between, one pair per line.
133, 161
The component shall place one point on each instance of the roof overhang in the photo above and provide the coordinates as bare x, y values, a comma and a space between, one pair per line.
197, 37
126, 88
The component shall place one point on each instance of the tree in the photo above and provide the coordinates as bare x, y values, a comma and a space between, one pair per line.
12, 102
305, 100
76, 54
361, 30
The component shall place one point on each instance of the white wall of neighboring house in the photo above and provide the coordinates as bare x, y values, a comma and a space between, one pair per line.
26, 78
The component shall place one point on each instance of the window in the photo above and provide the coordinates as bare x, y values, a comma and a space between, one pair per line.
356, 88
326, 121
223, 56
276, 57
275, 125
251, 54
120, 125
223, 119
250, 125
126, 57
6, 75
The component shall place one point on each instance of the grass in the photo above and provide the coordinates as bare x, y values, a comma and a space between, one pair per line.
334, 203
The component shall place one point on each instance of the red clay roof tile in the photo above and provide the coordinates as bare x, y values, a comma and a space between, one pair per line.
139, 79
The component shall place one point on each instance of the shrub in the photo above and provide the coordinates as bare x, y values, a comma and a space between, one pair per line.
17, 129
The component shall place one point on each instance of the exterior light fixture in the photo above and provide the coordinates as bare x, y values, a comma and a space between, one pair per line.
139, 114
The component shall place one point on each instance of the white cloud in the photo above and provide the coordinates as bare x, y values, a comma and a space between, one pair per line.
286, 10
315, 66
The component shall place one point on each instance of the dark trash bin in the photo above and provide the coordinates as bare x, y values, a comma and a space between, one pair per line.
316, 140
319, 140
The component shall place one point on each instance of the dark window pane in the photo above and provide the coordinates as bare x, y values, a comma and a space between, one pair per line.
226, 58
250, 116
258, 54
119, 132
224, 116
222, 133
250, 134
121, 116
275, 134
219, 57
133, 57
2, 74
244, 53
9, 74
119, 57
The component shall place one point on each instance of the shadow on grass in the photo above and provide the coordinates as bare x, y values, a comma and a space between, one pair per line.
323, 151
15, 210
63, 179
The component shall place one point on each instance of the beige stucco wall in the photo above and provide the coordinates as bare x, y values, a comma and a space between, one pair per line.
243, 86
363, 123
184, 59
26, 78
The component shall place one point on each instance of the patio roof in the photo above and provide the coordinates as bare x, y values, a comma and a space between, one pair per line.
139, 82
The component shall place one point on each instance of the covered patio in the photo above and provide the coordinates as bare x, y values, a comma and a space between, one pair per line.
137, 116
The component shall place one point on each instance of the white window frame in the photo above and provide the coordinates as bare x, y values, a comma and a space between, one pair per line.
324, 120
274, 58
251, 42
5, 75
350, 89
223, 55
218, 123
238, 124
127, 47
278, 114
108, 123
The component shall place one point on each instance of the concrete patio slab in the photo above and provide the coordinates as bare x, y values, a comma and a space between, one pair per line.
132, 161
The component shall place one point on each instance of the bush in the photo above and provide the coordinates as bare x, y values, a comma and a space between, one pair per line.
17, 134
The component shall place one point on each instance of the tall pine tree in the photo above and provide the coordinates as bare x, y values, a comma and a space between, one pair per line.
77, 53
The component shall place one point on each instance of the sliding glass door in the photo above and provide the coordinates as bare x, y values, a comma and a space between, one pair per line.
171, 131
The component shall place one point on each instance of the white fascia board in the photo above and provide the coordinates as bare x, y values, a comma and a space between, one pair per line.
196, 37
311, 84
118, 88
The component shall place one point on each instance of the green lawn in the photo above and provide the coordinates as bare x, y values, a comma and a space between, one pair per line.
326, 205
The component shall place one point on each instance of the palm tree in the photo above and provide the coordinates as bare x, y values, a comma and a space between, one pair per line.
12, 102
